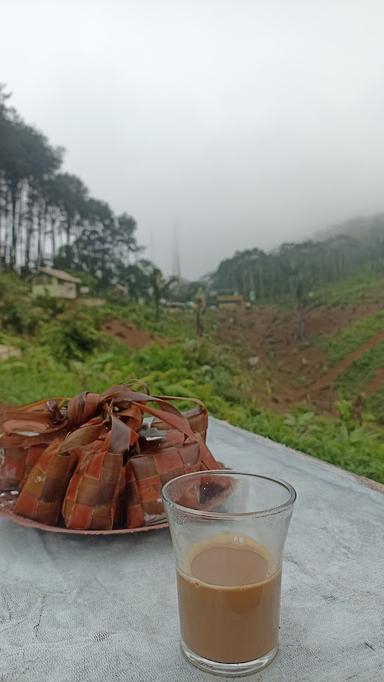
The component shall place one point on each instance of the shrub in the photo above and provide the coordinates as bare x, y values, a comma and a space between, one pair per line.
21, 317
70, 336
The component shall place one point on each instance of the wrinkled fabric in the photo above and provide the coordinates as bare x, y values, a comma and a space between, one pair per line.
100, 609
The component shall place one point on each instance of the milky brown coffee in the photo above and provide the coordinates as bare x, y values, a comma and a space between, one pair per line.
229, 600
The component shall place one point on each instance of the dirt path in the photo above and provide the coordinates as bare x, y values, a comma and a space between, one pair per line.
330, 377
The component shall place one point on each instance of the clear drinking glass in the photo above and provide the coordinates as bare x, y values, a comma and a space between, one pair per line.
228, 531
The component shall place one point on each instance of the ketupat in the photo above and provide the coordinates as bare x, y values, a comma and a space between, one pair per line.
101, 466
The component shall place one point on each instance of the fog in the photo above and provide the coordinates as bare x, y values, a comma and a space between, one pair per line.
233, 123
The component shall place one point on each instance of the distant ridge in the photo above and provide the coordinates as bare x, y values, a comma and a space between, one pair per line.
358, 228
297, 269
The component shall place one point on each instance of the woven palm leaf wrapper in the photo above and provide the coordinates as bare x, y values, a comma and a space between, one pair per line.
99, 461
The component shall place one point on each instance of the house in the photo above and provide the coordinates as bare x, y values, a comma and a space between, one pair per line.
56, 283
120, 290
230, 301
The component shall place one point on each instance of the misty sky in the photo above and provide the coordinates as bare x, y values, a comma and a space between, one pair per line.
243, 123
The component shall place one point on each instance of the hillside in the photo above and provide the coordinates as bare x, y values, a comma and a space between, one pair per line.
296, 271
313, 379
331, 352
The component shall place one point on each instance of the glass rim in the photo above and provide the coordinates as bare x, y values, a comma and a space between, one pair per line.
269, 511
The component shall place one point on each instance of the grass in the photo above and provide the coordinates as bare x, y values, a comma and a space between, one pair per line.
375, 406
337, 346
202, 371
358, 288
358, 375
176, 324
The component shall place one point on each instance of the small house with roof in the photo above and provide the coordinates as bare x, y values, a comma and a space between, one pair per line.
56, 283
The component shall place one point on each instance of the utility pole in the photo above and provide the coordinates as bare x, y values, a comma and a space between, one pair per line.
151, 247
176, 267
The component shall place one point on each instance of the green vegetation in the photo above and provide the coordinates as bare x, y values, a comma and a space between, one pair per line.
334, 270
353, 380
375, 406
358, 288
193, 370
48, 215
339, 345
67, 351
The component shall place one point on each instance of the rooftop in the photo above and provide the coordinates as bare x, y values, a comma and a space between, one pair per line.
60, 274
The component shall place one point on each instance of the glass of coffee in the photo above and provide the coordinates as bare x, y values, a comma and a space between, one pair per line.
228, 531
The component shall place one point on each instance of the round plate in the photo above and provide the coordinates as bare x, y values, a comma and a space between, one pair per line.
8, 501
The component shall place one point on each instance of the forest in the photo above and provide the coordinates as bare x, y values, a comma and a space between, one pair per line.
297, 269
48, 217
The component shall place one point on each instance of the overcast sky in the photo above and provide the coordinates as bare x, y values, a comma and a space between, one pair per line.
242, 122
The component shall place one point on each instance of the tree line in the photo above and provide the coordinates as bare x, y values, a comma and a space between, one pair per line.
47, 216
298, 268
